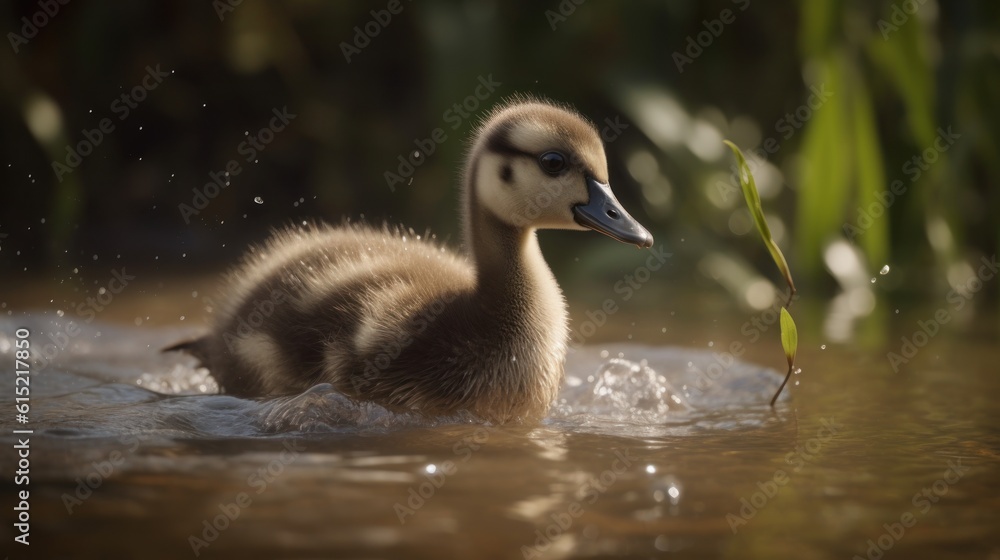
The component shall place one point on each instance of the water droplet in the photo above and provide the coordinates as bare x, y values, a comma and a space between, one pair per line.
873, 279
182, 317
138, 321
258, 200
884, 271
650, 469
431, 469
194, 294
60, 312
822, 346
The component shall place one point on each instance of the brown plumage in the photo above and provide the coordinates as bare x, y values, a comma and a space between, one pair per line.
388, 317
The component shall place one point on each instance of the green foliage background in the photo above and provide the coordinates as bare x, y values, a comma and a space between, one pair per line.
896, 80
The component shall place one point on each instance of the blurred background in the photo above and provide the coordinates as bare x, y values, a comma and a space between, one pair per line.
870, 128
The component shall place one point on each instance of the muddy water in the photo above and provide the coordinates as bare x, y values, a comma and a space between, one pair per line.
651, 451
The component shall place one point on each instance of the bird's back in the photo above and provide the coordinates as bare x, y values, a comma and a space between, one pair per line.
315, 301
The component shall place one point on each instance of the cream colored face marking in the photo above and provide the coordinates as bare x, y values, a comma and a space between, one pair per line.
533, 198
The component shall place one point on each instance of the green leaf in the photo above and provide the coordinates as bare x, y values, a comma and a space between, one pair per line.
752, 197
789, 336
790, 342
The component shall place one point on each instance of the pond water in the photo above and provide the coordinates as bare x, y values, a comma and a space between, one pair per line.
651, 451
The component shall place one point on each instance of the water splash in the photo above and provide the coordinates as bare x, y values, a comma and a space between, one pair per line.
113, 380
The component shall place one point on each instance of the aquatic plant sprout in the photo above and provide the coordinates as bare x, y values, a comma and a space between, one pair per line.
789, 334
789, 342
749, 187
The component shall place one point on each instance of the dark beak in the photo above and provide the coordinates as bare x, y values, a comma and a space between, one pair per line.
605, 214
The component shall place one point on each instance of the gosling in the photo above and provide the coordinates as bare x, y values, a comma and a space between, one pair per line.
387, 317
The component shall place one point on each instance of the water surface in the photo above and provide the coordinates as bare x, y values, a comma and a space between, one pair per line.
651, 451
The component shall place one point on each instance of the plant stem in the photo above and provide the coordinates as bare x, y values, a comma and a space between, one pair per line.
778, 392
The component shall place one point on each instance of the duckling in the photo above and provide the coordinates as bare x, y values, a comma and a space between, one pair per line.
388, 317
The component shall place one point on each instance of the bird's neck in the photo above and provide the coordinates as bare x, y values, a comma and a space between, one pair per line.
512, 277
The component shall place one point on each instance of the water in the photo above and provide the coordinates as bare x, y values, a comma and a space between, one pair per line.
650, 451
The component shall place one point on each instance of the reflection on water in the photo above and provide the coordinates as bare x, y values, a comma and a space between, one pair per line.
647, 451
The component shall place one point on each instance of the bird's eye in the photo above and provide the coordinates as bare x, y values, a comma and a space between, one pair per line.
552, 162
